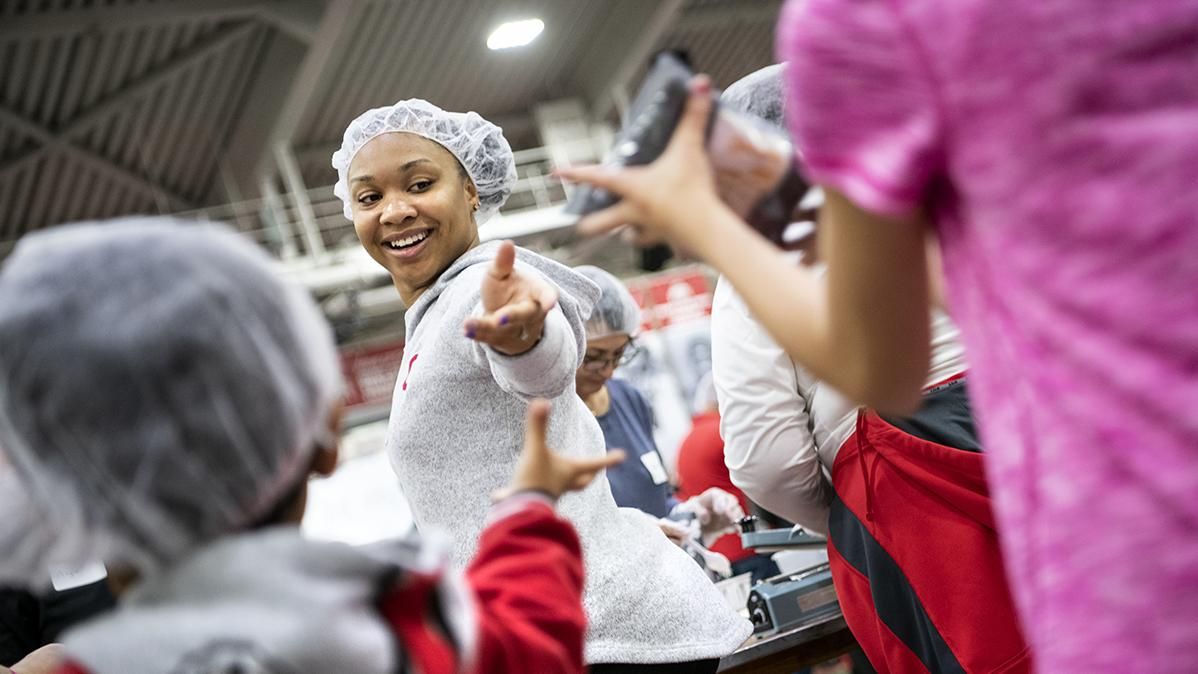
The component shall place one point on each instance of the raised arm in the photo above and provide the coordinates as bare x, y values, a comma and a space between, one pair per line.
866, 332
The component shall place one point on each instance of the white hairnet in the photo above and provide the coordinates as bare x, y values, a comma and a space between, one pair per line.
160, 385
760, 94
616, 311
476, 143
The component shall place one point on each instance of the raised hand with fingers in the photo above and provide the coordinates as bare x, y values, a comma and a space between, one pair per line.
663, 200
515, 306
543, 470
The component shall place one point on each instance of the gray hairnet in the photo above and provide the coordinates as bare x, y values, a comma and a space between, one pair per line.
760, 94
616, 311
160, 385
476, 143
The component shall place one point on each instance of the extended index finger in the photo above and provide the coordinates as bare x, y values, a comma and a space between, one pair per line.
610, 178
611, 458
584, 470
535, 425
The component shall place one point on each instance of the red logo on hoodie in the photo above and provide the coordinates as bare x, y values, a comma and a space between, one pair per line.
409, 373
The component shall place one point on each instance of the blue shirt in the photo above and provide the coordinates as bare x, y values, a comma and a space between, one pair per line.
628, 425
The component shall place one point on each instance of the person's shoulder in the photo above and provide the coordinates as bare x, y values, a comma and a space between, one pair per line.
725, 301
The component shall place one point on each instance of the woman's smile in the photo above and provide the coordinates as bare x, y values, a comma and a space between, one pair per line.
407, 245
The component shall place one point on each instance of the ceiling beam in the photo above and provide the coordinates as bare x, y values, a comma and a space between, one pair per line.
607, 70
317, 151
289, 75
722, 16
160, 75
110, 17
306, 83
249, 136
130, 92
299, 19
103, 165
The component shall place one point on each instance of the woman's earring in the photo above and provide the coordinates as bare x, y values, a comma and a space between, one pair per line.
476, 205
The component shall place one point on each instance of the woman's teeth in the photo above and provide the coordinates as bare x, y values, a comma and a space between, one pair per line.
408, 240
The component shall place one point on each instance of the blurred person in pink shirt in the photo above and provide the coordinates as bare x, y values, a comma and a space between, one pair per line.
1053, 148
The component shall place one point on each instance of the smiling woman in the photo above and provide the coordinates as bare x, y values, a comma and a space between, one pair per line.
412, 208
417, 182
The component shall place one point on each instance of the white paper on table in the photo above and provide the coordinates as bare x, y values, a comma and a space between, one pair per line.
736, 590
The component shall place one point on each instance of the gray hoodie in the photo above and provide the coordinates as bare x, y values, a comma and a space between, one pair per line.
265, 601
457, 426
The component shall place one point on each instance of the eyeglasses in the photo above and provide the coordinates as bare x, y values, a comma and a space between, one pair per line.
596, 362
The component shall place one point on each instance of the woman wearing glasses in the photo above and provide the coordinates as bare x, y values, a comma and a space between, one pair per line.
641, 482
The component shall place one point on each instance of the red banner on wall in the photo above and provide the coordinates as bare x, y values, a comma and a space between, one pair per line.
370, 373
671, 297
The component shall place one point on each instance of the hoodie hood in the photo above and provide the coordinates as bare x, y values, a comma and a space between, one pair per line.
270, 601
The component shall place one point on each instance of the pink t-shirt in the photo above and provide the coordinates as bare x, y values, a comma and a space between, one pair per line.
1054, 144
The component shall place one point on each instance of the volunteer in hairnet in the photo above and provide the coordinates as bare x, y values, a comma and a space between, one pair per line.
164, 397
487, 329
626, 418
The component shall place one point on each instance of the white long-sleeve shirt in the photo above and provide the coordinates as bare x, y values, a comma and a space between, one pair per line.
782, 427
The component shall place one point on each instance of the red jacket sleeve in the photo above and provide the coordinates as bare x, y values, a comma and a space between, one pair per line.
527, 578
526, 584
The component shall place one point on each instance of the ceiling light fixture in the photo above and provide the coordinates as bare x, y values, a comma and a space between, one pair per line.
515, 34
